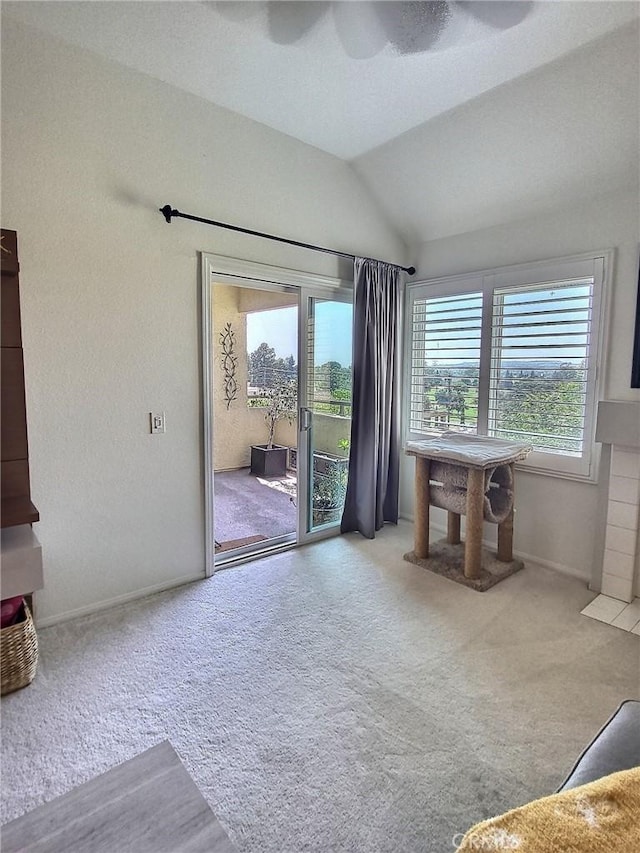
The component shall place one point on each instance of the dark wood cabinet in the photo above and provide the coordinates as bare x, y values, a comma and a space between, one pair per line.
11, 326
16, 506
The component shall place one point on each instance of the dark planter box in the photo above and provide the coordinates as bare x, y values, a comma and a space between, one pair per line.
325, 463
268, 463
324, 516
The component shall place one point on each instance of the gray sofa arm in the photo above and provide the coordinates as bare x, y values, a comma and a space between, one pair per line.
615, 747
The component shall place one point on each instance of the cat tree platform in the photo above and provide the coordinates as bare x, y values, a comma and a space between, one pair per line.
472, 476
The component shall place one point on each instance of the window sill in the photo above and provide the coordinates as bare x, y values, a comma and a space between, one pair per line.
589, 479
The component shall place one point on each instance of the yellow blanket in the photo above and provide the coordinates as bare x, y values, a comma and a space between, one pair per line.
601, 817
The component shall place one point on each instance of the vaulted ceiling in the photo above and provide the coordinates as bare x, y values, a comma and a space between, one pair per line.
557, 137
490, 126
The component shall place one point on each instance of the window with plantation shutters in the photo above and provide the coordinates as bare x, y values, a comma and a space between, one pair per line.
511, 353
539, 356
445, 357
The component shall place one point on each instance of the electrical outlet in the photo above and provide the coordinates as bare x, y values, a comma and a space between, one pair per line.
157, 422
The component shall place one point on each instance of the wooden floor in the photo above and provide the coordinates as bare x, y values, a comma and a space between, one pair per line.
149, 804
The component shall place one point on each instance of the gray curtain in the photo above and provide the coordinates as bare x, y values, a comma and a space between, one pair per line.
372, 487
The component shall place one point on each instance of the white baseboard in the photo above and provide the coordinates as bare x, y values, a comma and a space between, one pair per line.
571, 571
96, 607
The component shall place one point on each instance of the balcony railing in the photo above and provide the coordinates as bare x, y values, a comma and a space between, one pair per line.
331, 406
323, 406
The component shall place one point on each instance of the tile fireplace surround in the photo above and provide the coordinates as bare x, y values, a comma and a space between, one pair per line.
618, 427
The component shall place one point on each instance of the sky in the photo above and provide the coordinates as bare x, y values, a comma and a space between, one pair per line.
279, 329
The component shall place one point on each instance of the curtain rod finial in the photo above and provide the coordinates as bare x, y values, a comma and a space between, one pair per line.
411, 270
167, 212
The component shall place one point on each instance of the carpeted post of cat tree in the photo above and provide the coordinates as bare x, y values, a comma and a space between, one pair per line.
422, 509
505, 530
475, 517
453, 528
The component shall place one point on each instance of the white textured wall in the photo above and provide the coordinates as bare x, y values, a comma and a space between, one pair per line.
558, 521
110, 299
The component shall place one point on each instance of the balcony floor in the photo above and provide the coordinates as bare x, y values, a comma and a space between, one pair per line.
252, 509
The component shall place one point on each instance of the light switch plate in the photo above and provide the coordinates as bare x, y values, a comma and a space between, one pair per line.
157, 422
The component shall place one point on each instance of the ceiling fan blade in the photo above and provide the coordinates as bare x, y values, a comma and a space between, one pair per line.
500, 14
289, 20
412, 27
359, 28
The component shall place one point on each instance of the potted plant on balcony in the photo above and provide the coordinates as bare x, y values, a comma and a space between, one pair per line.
270, 460
329, 492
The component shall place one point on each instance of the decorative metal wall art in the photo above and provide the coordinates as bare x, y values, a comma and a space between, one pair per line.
229, 364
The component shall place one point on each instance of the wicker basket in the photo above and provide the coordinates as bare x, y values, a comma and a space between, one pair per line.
18, 653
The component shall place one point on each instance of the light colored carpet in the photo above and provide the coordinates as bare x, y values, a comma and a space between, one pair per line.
333, 698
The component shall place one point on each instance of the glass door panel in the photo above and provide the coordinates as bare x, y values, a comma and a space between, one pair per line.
325, 419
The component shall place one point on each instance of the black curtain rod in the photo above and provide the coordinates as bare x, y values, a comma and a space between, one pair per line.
168, 212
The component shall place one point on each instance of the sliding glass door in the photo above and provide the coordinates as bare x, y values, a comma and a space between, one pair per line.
325, 414
277, 407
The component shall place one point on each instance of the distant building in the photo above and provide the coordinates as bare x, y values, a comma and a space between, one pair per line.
435, 419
